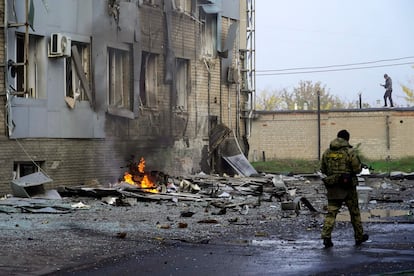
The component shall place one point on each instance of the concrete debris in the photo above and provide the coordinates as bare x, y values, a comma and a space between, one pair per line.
121, 235
80, 205
224, 193
33, 205
244, 210
182, 225
187, 186
187, 214
109, 200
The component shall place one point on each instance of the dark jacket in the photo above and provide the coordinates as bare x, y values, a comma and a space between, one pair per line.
352, 167
388, 84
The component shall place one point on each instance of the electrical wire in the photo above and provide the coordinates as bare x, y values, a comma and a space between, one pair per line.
306, 70
34, 162
338, 65
333, 70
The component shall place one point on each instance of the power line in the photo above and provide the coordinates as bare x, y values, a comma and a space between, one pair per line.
312, 69
327, 70
338, 65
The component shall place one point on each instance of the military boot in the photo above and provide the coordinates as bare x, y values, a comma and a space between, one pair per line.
327, 242
364, 238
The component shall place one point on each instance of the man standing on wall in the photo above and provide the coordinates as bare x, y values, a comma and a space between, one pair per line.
388, 90
341, 164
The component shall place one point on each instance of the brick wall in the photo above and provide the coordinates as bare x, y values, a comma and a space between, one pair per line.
294, 134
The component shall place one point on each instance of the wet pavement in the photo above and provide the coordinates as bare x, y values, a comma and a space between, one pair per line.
389, 251
263, 237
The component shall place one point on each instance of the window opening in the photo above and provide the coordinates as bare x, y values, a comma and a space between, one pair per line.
148, 80
183, 5
209, 34
182, 83
119, 64
35, 67
74, 88
22, 168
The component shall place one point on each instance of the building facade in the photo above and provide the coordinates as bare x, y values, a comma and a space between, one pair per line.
89, 85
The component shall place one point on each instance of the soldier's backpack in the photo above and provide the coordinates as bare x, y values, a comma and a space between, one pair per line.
338, 168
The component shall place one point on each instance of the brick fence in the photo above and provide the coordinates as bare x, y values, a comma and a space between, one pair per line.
381, 133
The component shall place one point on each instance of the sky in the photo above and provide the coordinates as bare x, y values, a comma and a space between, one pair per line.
375, 34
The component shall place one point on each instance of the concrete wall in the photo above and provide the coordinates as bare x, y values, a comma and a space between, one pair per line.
381, 133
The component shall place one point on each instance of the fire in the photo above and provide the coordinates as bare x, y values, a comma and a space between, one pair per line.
141, 165
141, 180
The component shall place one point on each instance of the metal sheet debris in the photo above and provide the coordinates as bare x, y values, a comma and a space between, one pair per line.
30, 185
240, 164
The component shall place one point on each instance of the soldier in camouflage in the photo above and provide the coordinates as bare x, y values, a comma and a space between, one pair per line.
341, 164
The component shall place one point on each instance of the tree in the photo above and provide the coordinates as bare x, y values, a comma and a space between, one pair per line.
409, 92
268, 101
304, 96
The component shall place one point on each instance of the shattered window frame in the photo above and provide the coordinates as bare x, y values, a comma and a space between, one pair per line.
36, 67
23, 168
209, 33
183, 5
72, 78
182, 83
120, 92
149, 80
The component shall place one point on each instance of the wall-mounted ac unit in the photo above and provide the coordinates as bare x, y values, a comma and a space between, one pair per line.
60, 45
233, 75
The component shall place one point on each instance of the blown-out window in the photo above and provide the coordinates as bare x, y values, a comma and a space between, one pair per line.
183, 5
119, 79
148, 80
23, 168
36, 68
209, 33
182, 83
74, 85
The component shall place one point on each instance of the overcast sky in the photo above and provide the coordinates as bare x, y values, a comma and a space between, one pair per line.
321, 33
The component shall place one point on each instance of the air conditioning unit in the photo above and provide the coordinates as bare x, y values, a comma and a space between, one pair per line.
233, 75
60, 45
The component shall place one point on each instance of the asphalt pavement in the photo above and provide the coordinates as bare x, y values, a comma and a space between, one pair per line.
389, 251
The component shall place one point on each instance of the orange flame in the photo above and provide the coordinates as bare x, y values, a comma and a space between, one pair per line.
128, 178
141, 165
145, 182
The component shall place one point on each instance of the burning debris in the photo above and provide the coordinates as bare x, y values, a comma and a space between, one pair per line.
137, 176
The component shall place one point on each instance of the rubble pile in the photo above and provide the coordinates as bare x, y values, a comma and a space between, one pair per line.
100, 221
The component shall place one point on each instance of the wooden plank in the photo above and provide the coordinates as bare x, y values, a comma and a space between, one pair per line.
81, 74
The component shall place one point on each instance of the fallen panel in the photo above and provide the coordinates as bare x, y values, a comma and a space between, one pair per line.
30, 185
240, 164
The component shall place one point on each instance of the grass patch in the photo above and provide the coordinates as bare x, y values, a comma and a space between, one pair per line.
382, 166
286, 166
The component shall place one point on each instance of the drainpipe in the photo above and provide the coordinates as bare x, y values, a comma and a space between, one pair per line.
221, 94
6, 58
319, 125
387, 129
208, 115
208, 94
26, 49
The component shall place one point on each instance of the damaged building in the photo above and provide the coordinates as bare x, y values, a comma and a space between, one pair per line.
89, 85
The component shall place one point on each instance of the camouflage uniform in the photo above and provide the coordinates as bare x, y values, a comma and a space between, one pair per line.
339, 160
